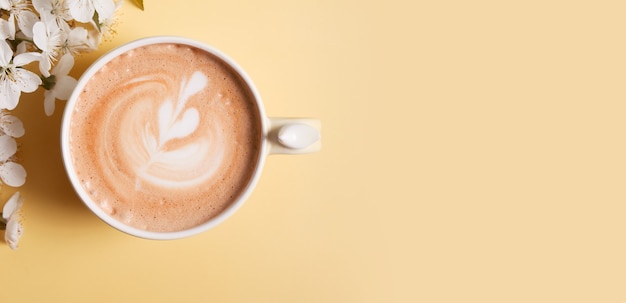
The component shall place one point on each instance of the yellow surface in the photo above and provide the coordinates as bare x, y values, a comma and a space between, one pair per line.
473, 151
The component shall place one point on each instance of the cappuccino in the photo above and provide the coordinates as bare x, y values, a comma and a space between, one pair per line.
165, 137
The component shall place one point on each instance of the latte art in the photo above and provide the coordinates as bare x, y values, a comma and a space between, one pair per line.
161, 155
165, 137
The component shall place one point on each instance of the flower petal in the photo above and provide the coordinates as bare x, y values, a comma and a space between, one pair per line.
105, 8
22, 47
26, 80
5, 54
6, 30
12, 26
78, 40
44, 67
13, 204
64, 87
14, 231
12, 126
5, 5
25, 21
81, 10
40, 35
9, 95
42, 6
8, 147
64, 65
49, 102
12, 174
25, 58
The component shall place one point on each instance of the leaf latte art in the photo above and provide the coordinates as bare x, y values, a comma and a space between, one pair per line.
165, 137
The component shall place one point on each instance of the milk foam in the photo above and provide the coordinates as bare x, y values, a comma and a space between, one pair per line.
165, 137
164, 165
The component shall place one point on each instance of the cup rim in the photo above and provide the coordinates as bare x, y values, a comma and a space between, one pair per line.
69, 166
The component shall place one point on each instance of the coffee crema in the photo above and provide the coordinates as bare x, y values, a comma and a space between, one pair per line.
164, 137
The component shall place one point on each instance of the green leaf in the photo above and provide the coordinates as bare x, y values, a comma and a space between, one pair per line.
139, 4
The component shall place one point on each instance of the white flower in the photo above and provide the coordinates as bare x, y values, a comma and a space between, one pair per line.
53, 9
12, 174
104, 28
11, 125
12, 215
77, 41
20, 10
13, 79
83, 10
63, 86
47, 37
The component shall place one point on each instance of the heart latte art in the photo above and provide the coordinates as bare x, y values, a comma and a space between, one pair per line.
164, 137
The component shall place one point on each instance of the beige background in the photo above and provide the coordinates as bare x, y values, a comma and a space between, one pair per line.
474, 151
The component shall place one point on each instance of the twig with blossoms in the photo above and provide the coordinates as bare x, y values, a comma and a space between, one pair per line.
51, 33
12, 174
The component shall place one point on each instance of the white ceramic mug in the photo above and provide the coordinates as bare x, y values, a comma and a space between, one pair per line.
280, 136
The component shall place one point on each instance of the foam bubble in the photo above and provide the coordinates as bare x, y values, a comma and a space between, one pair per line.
107, 206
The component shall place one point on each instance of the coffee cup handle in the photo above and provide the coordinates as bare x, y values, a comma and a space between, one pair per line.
294, 135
